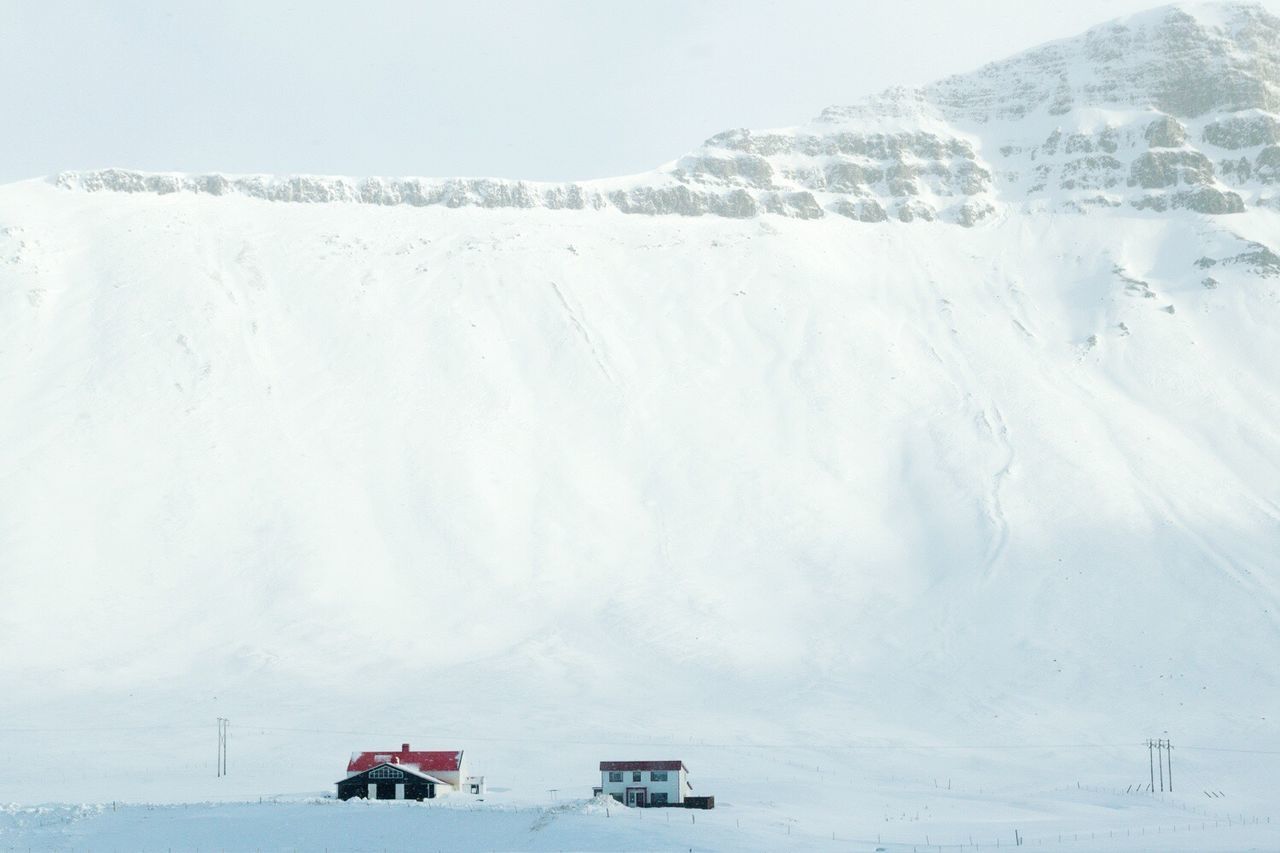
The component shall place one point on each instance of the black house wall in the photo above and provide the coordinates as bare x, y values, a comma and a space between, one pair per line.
357, 787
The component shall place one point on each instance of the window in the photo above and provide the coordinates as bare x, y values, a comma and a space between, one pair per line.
635, 777
615, 777
657, 799
386, 773
658, 775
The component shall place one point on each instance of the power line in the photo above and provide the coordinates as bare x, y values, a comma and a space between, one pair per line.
61, 729
250, 728
738, 745
1231, 749
688, 743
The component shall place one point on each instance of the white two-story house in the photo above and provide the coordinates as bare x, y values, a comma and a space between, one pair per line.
645, 783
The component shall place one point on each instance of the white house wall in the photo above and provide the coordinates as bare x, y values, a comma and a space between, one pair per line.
453, 778
676, 787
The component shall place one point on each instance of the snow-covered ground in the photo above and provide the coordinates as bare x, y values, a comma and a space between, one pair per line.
902, 818
1059, 797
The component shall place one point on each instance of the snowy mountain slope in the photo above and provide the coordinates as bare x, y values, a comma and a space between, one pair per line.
745, 477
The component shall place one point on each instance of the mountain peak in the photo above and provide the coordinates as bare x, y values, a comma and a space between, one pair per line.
1183, 59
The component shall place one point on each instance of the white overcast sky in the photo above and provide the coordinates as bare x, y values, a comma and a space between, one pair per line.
546, 90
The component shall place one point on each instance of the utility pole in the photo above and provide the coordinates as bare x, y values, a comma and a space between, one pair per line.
1168, 746
223, 725
1151, 763
1160, 750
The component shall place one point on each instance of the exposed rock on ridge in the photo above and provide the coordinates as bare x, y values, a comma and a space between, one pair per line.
1171, 109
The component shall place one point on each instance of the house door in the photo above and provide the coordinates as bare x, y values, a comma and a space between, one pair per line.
636, 797
386, 790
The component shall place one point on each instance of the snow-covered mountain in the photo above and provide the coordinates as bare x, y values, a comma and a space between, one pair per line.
788, 457
1174, 108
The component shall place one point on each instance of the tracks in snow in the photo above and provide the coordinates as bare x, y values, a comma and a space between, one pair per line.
576, 321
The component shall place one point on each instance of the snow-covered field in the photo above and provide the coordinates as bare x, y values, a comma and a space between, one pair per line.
767, 799
1112, 824
903, 818
898, 533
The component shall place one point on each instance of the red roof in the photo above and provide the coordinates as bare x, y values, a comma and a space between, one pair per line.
643, 765
425, 762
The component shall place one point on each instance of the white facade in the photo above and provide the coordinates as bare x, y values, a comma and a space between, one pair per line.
645, 783
460, 781
451, 778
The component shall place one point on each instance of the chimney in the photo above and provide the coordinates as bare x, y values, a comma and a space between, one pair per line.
404, 747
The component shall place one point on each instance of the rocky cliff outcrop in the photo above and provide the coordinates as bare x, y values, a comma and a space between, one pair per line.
1174, 109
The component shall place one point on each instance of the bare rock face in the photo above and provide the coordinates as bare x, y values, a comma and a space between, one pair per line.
744, 170
1165, 132
1155, 169
865, 210
683, 201
1093, 173
1263, 261
1173, 110
1173, 59
1256, 257
841, 168
843, 177
1267, 166
1203, 200
800, 205
972, 212
910, 211
1243, 131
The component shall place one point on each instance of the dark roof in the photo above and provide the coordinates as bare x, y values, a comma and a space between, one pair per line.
423, 762
643, 765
